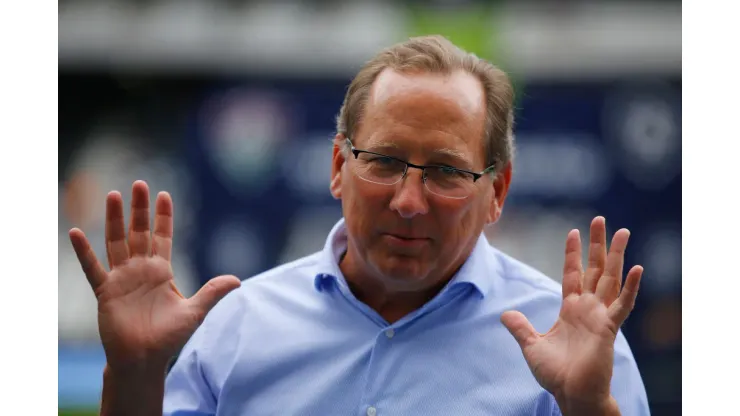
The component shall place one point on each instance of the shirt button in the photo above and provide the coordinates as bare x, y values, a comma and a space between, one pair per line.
371, 411
390, 333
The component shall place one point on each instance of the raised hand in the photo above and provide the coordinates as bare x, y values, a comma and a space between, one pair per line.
142, 317
574, 359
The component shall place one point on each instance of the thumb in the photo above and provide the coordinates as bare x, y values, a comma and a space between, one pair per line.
519, 326
212, 292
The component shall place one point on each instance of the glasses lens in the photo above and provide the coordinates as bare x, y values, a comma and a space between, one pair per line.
379, 169
450, 183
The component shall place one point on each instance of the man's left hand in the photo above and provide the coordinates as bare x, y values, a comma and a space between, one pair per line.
574, 359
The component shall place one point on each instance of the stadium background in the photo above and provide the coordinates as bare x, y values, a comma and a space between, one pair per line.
230, 105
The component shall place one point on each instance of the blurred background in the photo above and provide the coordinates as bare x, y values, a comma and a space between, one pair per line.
229, 105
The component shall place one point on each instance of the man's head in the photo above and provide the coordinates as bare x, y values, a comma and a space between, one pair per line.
425, 102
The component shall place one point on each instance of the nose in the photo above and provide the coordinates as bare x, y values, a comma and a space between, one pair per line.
409, 199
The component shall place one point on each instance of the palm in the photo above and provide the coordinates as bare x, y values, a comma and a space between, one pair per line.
139, 309
576, 354
574, 358
142, 317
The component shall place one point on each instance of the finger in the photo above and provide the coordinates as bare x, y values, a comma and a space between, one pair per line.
163, 226
212, 292
611, 281
596, 254
115, 234
139, 235
520, 328
92, 268
572, 267
621, 308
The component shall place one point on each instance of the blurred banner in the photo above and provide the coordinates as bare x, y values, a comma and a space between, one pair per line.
241, 140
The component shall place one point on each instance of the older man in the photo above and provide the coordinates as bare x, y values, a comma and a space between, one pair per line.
407, 310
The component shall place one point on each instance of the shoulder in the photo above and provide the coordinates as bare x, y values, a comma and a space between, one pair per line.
518, 276
261, 295
522, 282
235, 323
519, 286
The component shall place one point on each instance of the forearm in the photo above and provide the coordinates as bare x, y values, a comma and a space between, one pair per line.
129, 394
577, 408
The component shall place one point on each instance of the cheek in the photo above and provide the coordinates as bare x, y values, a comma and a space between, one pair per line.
455, 212
364, 196
461, 217
363, 205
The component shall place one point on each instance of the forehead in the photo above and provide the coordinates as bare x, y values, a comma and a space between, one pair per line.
425, 110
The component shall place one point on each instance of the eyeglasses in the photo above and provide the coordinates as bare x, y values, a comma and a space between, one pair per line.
445, 181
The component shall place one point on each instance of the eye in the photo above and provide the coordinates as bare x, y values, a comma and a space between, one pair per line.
382, 160
447, 170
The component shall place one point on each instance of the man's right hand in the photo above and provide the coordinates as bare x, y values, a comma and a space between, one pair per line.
142, 318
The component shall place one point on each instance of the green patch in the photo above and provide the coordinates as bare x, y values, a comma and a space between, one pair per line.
474, 28
78, 412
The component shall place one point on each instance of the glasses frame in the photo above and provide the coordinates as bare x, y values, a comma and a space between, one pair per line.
476, 175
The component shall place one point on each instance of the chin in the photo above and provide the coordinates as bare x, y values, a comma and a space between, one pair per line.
403, 271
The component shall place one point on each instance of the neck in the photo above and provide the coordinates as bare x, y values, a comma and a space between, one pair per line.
390, 303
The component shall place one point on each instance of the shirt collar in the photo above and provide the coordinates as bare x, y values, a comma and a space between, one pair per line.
479, 270
334, 248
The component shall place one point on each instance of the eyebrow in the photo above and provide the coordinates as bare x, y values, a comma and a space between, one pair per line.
381, 144
443, 152
456, 154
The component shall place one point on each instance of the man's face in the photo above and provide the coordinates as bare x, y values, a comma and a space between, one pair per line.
402, 234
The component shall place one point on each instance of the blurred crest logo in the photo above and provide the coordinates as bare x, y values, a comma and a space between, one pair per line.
244, 133
642, 124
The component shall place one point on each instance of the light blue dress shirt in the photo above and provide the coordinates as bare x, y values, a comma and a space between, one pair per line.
295, 341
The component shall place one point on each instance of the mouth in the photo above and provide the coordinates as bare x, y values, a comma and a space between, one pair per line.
407, 237
405, 240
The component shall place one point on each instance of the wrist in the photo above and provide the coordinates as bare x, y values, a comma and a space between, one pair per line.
132, 391
128, 374
577, 407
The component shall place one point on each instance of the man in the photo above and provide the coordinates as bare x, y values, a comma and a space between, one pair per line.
408, 310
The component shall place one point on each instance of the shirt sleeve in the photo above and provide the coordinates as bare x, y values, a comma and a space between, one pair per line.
194, 383
187, 392
627, 386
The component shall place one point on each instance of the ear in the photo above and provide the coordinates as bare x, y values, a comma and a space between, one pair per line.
500, 189
337, 162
